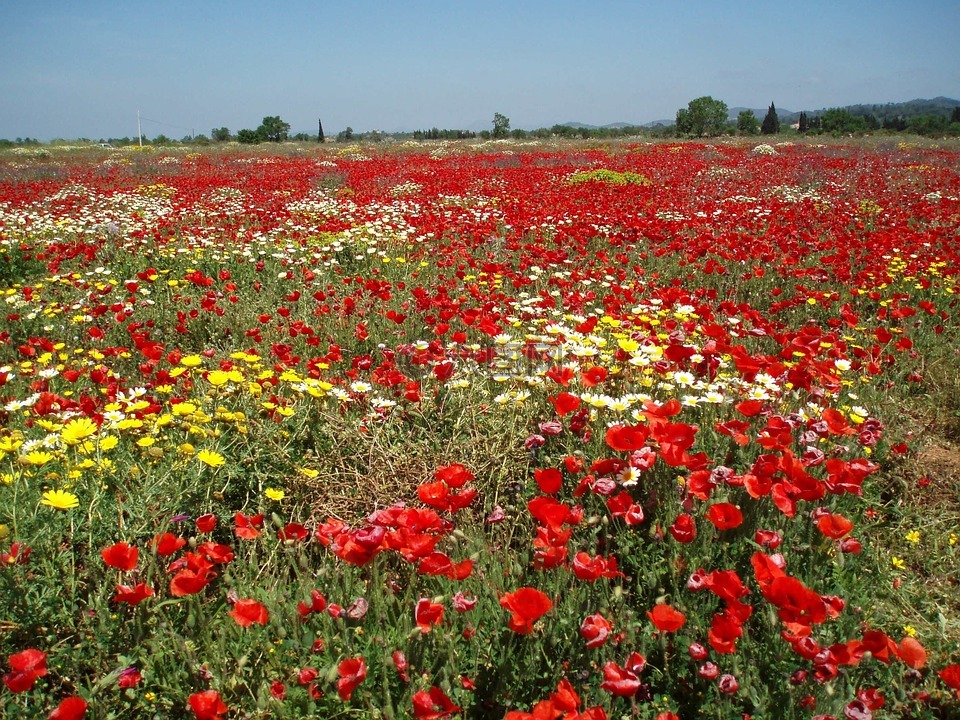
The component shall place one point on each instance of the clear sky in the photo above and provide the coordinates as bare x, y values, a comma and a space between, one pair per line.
83, 68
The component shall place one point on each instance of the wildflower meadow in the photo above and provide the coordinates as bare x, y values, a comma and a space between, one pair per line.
505, 430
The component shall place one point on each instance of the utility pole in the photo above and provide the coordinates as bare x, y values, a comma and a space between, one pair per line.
139, 134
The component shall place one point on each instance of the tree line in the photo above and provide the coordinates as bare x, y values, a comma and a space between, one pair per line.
703, 117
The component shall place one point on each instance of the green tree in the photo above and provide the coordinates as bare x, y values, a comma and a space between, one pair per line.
345, 135
771, 123
501, 125
702, 116
747, 123
840, 121
804, 123
220, 134
273, 129
249, 137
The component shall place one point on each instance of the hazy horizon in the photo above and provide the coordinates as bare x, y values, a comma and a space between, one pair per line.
85, 68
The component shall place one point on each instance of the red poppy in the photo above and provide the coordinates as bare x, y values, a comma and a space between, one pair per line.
433, 704
461, 603
167, 544
684, 529
627, 438
26, 666
527, 605
207, 705
352, 671
834, 526
401, 664
725, 516
913, 653
549, 480
454, 475
132, 595
427, 614
71, 708
247, 527
121, 556
619, 681
595, 629
247, 612
951, 676
318, 603
206, 523
293, 532
565, 403
129, 678
666, 618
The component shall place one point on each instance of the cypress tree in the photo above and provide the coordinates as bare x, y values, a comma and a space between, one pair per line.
804, 123
771, 123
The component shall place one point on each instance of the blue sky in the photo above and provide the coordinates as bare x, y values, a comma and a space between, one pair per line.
83, 68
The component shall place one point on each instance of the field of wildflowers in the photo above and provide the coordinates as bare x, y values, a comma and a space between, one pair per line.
654, 431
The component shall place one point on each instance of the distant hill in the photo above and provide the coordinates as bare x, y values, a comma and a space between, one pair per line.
886, 111
906, 110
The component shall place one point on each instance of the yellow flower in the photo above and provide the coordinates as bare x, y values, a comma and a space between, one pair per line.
217, 378
211, 458
309, 472
898, 563
191, 360
913, 536
36, 457
910, 630
78, 430
60, 500
274, 494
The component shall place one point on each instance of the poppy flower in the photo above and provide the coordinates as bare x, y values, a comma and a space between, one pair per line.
549, 480
913, 653
121, 556
834, 526
565, 403
129, 678
433, 704
247, 612
595, 629
951, 676
71, 708
427, 614
619, 681
167, 544
666, 618
207, 705
132, 595
206, 523
318, 603
725, 516
526, 605
684, 530
247, 527
352, 671
26, 666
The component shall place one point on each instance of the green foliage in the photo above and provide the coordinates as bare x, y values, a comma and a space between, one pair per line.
703, 116
249, 137
839, 121
747, 123
273, 129
501, 125
771, 123
345, 135
220, 134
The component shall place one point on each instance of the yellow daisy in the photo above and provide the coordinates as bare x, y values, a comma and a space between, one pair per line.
60, 500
